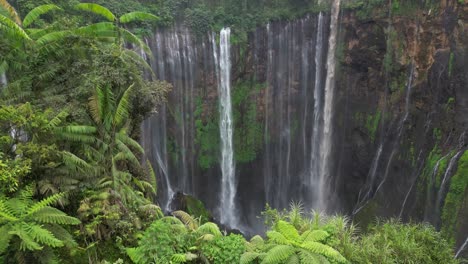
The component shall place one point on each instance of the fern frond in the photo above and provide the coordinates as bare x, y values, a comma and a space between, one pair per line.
75, 163
124, 138
137, 16
278, 238
209, 228
187, 219
57, 120
45, 203
324, 250
248, 257
288, 230
152, 177
96, 9
62, 234
27, 242
6, 213
294, 259
38, 11
311, 258
314, 236
123, 107
278, 254
5, 237
178, 258
42, 235
52, 215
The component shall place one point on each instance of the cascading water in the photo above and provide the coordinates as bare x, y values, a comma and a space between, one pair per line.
428, 212
370, 189
228, 182
314, 171
327, 140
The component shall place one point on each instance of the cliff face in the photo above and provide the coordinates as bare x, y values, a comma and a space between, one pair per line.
400, 107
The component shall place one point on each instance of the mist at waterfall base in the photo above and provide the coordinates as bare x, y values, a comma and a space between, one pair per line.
299, 160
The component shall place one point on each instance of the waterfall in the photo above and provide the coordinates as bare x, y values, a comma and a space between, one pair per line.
327, 140
228, 183
443, 187
318, 112
462, 247
372, 177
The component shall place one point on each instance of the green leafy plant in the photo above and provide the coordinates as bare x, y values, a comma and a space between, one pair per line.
31, 227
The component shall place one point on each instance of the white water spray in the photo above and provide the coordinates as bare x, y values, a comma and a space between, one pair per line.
228, 183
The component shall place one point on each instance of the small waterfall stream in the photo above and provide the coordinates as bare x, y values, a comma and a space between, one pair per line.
462, 247
228, 183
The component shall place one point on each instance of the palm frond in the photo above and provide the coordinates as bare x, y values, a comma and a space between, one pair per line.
38, 11
44, 41
123, 107
124, 138
12, 29
133, 39
11, 11
137, 16
96, 9
97, 30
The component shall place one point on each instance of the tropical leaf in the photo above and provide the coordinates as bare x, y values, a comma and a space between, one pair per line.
11, 28
11, 11
97, 30
137, 16
152, 177
27, 242
133, 39
96, 9
129, 142
57, 120
45, 40
38, 11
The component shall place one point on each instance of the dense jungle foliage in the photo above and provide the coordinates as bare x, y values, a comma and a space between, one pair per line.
73, 188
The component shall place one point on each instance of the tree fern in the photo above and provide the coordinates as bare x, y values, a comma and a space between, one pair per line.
187, 219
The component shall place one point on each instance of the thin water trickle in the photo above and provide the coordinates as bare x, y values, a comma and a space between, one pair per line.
462, 247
